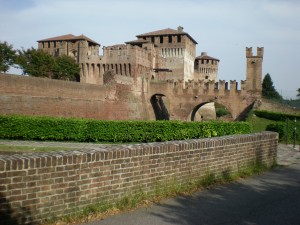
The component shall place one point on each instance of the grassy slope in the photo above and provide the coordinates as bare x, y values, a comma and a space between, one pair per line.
258, 124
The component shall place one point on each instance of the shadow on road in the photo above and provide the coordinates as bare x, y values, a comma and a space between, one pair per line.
272, 198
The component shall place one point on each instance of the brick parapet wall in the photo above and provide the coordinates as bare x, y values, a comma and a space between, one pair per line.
36, 186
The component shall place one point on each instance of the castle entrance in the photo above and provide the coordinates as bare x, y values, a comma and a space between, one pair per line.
159, 107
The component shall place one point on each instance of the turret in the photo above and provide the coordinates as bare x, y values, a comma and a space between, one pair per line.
254, 71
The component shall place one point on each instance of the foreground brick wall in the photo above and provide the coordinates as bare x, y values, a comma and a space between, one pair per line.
41, 185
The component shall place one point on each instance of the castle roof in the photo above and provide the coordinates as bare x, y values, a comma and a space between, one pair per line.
205, 56
166, 32
69, 37
138, 42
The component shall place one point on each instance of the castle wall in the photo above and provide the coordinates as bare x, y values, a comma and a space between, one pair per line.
40, 96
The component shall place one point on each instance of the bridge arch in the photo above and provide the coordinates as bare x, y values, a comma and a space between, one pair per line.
159, 104
210, 110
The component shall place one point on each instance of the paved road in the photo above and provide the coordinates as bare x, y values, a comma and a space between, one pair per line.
272, 198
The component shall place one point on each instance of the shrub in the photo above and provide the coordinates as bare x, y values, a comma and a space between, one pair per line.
275, 115
88, 130
277, 127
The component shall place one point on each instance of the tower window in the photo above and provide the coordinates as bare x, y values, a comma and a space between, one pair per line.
152, 39
179, 38
206, 77
170, 39
161, 40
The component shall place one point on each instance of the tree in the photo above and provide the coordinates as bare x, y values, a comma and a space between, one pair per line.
298, 95
66, 68
41, 64
7, 56
268, 89
36, 63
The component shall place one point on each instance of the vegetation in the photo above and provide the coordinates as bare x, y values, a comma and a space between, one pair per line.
221, 110
7, 56
41, 64
298, 94
282, 123
38, 63
268, 89
84, 130
160, 191
275, 115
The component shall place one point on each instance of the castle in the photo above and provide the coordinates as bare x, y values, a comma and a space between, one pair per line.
157, 76
162, 55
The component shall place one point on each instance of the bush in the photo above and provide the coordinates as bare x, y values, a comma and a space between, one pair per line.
275, 115
279, 128
84, 130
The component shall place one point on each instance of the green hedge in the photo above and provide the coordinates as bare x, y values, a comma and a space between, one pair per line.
87, 130
286, 131
275, 115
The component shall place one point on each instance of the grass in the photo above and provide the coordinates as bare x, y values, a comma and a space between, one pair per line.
258, 124
160, 191
10, 149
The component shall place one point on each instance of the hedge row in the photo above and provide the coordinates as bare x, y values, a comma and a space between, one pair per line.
275, 115
87, 130
286, 130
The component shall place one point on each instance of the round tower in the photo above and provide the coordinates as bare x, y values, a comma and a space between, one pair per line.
206, 68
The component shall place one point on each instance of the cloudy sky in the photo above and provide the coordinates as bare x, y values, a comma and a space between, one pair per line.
222, 28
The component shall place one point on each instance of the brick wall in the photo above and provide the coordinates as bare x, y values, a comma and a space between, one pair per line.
40, 185
25, 95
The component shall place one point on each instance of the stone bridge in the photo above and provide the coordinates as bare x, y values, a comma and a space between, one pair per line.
179, 101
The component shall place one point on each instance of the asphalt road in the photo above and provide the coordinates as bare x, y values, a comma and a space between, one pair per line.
272, 198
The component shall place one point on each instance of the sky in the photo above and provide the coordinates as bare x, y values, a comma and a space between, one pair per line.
222, 28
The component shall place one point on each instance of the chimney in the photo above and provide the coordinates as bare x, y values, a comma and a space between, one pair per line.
180, 29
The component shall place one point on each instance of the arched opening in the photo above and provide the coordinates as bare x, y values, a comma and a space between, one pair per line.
222, 112
210, 111
159, 107
197, 114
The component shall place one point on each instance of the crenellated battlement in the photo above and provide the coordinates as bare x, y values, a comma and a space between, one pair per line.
259, 52
201, 86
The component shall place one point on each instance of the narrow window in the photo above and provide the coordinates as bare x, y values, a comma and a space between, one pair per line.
161, 39
129, 69
170, 39
179, 38
48, 44
152, 39
54, 44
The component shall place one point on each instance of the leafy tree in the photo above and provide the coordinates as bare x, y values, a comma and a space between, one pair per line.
7, 56
268, 89
66, 68
41, 64
298, 95
36, 63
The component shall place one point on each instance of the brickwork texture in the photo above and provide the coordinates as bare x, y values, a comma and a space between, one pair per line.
36, 186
